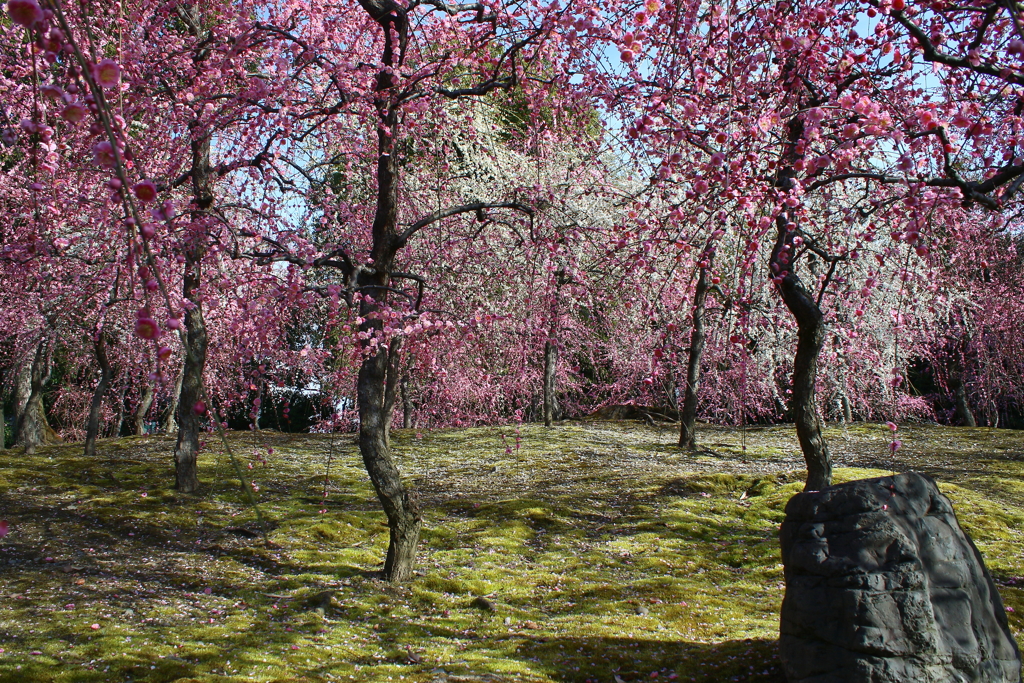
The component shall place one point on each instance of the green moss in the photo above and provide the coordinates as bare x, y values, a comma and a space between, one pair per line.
602, 549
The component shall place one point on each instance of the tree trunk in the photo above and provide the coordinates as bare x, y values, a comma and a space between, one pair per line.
550, 383
145, 402
407, 407
191, 408
3, 421
33, 429
119, 418
93, 427
688, 415
391, 385
22, 390
810, 339
400, 506
169, 419
963, 405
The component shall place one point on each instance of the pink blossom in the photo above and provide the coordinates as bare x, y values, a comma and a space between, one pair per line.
146, 328
73, 113
24, 12
145, 191
4, 528
199, 408
148, 231
107, 73
103, 153
892, 426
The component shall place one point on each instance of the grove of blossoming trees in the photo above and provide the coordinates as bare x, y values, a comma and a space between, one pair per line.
492, 211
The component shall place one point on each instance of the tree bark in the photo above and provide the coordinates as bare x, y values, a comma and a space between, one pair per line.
3, 420
688, 415
550, 381
391, 385
145, 402
400, 506
33, 428
407, 406
20, 393
118, 425
810, 339
169, 419
93, 427
191, 409
961, 402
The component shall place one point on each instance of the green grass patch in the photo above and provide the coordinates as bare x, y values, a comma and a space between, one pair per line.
600, 551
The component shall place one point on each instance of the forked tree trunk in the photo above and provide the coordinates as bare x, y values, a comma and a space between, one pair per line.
688, 415
33, 428
810, 339
93, 427
145, 403
191, 408
550, 381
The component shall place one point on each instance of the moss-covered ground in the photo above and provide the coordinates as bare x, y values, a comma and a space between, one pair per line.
587, 551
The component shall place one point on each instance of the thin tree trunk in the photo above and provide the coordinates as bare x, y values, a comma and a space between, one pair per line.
22, 390
145, 403
688, 416
169, 419
844, 401
391, 384
809, 319
191, 409
119, 418
550, 381
3, 421
407, 407
810, 339
93, 426
33, 429
400, 506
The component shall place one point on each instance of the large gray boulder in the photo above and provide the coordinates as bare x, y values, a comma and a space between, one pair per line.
883, 586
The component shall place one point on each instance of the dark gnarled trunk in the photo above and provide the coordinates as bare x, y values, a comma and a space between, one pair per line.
688, 416
93, 427
810, 339
956, 383
400, 505
33, 428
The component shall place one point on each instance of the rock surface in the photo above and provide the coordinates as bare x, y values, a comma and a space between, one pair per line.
883, 586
